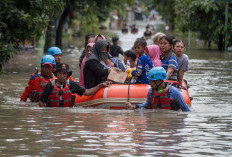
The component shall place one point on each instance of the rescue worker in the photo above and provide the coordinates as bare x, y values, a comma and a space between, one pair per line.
38, 81
59, 92
57, 53
161, 95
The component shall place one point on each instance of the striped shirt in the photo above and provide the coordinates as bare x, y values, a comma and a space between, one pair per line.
170, 61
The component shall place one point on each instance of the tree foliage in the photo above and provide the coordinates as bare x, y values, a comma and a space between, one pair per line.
166, 8
20, 21
27, 19
103, 7
89, 12
205, 17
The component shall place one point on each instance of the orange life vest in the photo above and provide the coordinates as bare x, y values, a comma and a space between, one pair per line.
36, 93
60, 97
161, 100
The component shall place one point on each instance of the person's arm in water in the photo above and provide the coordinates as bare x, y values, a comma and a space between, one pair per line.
33, 83
41, 104
143, 105
45, 95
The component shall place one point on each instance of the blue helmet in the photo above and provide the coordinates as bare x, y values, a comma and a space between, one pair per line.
157, 73
54, 51
48, 59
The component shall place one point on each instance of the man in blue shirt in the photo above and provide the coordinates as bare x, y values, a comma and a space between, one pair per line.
161, 95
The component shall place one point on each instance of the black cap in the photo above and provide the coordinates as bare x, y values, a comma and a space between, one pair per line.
64, 67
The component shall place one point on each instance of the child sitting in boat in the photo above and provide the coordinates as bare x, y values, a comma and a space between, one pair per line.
38, 80
58, 92
144, 63
161, 95
130, 61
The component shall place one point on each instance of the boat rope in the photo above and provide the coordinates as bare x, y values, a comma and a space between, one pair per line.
128, 98
110, 100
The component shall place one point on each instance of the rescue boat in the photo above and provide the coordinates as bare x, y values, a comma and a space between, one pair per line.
116, 95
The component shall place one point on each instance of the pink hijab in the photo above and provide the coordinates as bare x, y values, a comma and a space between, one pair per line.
81, 78
99, 35
154, 52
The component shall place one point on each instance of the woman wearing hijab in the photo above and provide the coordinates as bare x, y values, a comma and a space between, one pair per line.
88, 52
94, 71
89, 38
153, 51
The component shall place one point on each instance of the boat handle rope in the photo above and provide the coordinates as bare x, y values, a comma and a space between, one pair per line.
128, 98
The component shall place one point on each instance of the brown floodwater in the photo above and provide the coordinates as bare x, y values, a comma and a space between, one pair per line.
27, 130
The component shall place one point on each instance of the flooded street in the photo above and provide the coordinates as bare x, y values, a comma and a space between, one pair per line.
27, 130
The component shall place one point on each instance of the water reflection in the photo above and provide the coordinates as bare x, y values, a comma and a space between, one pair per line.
49, 132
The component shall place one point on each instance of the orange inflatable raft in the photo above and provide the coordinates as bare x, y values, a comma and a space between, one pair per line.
115, 96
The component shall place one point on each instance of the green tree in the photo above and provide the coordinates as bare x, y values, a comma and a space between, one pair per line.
69, 7
166, 9
206, 17
20, 21
24, 20
90, 12
89, 22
